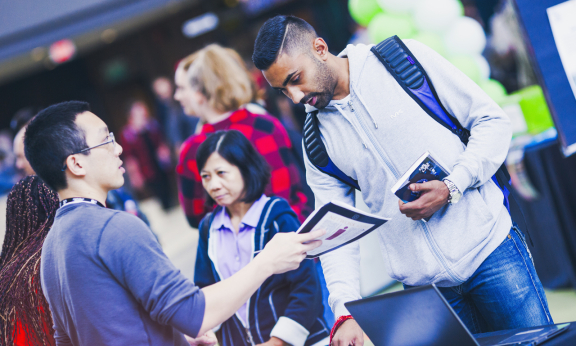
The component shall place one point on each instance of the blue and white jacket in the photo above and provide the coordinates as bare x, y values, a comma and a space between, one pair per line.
287, 306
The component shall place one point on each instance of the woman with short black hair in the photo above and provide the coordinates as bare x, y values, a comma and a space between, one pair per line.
287, 308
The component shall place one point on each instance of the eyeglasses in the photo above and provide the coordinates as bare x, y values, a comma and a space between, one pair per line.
111, 140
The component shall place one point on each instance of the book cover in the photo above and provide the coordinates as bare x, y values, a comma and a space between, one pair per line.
426, 168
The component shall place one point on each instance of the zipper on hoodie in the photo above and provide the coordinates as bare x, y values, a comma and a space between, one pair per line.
249, 339
433, 246
372, 140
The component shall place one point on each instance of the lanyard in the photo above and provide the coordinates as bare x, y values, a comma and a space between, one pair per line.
80, 200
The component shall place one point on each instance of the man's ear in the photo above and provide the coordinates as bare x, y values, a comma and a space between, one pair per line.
321, 48
75, 166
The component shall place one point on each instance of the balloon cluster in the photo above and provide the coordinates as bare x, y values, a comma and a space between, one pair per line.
439, 24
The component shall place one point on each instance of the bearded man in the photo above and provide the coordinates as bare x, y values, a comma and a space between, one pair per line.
374, 131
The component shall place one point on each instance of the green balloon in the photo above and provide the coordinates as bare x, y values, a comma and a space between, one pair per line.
385, 25
494, 89
362, 11
468, 65
432, 40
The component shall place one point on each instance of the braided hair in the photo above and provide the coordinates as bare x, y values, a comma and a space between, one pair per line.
30, 213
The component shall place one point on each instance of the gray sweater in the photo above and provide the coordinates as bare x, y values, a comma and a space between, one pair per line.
108, 282
375, 134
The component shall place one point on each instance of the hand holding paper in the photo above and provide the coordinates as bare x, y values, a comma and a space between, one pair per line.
285, 251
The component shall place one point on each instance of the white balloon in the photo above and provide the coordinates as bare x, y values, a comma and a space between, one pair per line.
437, 15
484, 67
398, 6
465, 37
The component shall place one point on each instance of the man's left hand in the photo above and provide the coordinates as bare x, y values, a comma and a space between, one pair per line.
433, 196
274, 341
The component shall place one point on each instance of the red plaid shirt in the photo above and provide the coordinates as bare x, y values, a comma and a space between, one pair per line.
268, 137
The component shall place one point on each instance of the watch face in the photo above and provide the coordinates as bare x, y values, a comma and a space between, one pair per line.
455, 197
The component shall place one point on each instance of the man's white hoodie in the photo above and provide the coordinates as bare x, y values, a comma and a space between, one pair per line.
375, 134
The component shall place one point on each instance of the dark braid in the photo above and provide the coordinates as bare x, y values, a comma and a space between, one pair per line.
29, 215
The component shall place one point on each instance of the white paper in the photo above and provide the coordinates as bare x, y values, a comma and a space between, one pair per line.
348, 229
563, 22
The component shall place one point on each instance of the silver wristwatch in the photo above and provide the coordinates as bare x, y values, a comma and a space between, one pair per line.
455, 194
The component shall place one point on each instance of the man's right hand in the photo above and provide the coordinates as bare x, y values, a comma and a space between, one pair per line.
349, 333
285, 251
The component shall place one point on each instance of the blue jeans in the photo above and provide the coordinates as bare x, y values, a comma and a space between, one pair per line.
504, 292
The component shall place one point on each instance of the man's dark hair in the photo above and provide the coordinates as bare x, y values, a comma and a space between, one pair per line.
50, 137
235, 148
286, 34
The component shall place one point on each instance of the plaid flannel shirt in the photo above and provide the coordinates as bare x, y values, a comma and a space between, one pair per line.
269, 138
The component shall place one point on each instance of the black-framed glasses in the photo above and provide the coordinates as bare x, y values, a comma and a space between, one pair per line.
111, 140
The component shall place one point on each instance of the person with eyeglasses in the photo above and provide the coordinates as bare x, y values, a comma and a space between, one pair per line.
103, 273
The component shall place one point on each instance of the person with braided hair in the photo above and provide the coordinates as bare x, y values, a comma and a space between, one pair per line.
25, 318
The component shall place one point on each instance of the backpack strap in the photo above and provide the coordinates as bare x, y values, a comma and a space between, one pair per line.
317, 153
412, 77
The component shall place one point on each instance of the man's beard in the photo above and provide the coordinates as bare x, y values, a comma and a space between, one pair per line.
326, 83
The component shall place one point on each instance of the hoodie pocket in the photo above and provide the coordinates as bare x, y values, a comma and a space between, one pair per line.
463, 228
479, 205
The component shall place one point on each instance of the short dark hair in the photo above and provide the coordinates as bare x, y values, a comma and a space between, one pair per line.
235, 148
50, 137
287, 32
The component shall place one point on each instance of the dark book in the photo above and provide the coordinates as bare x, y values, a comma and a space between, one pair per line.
425, 169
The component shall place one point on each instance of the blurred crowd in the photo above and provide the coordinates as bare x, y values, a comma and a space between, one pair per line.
155, 131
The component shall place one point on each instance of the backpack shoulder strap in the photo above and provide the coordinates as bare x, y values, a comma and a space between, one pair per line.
317, 154
412, 77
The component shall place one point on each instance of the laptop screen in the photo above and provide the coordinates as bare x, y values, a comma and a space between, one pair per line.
418, 316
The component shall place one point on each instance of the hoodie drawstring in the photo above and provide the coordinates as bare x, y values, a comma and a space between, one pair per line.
351, 122
367, 110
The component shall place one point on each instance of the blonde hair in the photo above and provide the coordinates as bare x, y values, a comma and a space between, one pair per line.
220, 74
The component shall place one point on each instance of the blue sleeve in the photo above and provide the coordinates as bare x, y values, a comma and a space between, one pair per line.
305, 299
203, 275
129, 250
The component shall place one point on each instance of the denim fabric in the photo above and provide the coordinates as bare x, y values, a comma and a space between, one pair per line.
504, 292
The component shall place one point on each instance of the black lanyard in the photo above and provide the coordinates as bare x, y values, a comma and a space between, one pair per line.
80, 200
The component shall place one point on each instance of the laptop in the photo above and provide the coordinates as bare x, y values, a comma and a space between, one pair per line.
421, 316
